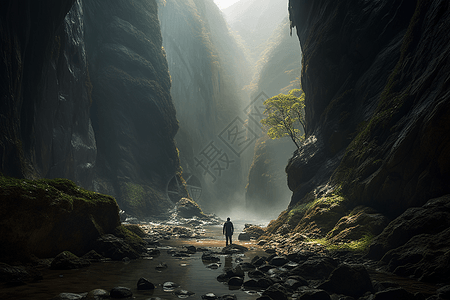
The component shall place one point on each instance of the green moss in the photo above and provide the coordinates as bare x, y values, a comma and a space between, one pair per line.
135, 241
133, 194
50, 191
361, 245
296, 214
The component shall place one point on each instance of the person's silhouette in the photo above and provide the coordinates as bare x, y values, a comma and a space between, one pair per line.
228, 230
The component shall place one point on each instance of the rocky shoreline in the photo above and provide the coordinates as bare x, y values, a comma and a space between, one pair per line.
310, 273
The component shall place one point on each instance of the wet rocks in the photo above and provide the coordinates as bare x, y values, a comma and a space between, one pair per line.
67, 261
254, 231
278, 261
68, 296
120, 292
233, 249
183, 293
244, 236
210, 257
351, 280
316, 267
97, 294
161, 266
417, 243
115, 248
16, 275
188, 209
235, 281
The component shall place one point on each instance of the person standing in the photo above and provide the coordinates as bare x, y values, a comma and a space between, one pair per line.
228, 230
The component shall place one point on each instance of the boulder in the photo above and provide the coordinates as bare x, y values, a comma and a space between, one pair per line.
251, 283
120, 292
210, 257
69, 296
417, 243
316, 267
145, 284
247, 266
59, 216
244, 236
254, 231
258, 261
264, 283
350, 280
276, 291
209, 296
425, 257
255, 274
358, 223
67, 261
170, 286
115, 248
278, 261
431, 218
235, 281
97, 294
188, 209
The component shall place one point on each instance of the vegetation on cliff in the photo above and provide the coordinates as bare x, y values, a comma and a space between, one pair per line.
285, 116
38, 216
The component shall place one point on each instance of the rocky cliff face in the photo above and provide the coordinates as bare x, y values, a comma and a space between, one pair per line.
132, 114
375, 78
375, 75
34, 41
85, 96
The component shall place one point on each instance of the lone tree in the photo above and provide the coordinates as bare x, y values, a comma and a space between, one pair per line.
286, 116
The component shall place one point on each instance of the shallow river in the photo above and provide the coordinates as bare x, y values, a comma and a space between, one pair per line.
190, 273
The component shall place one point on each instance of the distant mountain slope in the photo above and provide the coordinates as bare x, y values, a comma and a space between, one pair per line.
208, 70
255, 20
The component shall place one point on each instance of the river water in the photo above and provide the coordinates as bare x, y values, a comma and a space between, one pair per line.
190, 273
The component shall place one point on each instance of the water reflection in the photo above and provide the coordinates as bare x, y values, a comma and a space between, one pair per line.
189, 273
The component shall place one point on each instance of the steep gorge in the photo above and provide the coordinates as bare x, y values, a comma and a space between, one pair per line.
208, 70
86, 96
375, 75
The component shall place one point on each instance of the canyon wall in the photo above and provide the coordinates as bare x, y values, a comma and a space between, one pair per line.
86, 96
375, 78
375, 165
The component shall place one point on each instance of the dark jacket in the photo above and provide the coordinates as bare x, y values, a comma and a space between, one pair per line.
228, 228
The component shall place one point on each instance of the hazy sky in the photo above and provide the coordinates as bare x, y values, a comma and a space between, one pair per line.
224, 3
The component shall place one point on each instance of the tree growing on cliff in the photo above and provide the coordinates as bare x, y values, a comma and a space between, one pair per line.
285, 116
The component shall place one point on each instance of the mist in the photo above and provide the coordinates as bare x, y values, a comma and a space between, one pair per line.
219, 62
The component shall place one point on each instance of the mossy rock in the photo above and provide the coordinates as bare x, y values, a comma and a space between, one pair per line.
46, 217
187, 208
127, 233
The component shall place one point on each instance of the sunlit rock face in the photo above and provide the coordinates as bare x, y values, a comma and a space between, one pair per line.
132, 112
375, 76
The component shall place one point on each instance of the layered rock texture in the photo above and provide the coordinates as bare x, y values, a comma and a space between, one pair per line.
375, 75
376, 100
132, 111
86, 96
